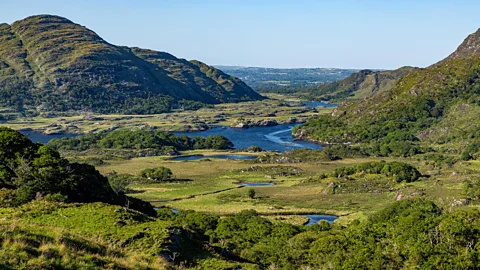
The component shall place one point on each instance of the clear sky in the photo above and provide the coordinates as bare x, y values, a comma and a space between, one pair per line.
274, 33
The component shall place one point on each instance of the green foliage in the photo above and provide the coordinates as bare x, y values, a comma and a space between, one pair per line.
329, 153
471, 151
399, 171
35, 171
159, 174
119, 182
160, 142
251, 193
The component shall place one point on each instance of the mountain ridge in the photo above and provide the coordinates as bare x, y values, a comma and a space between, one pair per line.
48, 62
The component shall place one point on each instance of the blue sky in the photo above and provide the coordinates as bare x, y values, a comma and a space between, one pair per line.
346, 34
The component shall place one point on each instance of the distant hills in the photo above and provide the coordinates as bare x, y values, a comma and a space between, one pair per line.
264, 79
52, 64
436, 104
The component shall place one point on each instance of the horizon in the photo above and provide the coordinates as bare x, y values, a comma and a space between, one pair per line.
275, 34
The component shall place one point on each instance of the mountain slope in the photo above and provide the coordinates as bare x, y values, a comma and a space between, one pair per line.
469, 47
54, 64
362, 84
199, 77
421, 100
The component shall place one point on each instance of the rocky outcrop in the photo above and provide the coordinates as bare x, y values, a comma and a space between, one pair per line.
251, 123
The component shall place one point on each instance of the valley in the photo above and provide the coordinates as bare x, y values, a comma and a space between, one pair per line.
116, 157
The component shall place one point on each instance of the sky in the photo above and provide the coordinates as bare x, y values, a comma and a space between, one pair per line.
376, 34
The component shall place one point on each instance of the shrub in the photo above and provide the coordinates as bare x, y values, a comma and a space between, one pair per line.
157, 174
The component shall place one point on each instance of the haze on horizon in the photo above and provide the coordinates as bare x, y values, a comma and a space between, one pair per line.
306, 33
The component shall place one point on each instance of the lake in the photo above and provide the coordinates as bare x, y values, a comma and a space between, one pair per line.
45, 138
275, 138
197, 157
314, 104
314, 219
265, 184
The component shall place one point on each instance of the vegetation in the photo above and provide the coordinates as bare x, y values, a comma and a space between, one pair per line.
251, 193
157, 175
161, 142
398, 170
334, 152
31, 171
363, 84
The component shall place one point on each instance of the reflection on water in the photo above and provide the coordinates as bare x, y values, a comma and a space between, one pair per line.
243, 157
266, 184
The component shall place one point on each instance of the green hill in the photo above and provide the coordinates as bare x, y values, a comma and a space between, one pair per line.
360, 85
50, 63
420, 103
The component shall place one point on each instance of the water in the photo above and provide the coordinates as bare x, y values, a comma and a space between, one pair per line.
45, 138
314, 219
175, 211
266, 184
276, 138
314, 104
243, 157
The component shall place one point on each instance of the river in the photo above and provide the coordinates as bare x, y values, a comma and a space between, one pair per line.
275, 138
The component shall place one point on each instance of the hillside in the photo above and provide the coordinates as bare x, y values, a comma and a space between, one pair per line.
420, 103
362, 84
50, 63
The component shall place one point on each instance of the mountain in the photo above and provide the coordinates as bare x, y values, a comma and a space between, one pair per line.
425, 104
469, 47
360, 85
50, 63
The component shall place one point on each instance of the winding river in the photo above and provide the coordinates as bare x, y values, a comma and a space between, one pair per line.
275, 138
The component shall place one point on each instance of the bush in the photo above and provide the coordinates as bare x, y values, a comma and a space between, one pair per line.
398, 170
157, 174
254, 149
251, 193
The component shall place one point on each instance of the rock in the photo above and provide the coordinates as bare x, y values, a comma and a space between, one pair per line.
330, 189
461, 202
266, 123
292, 120
400, 196
241, 125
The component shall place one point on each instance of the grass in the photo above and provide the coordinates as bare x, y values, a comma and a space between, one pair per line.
83, 236
214, 187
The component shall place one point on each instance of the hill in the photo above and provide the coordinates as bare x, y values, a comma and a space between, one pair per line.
421, 103
362, 84
50, 63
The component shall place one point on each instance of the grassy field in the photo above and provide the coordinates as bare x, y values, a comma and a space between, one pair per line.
214, 186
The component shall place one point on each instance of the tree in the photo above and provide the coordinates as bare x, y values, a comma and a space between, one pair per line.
157, 174
251, 193
119, 182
